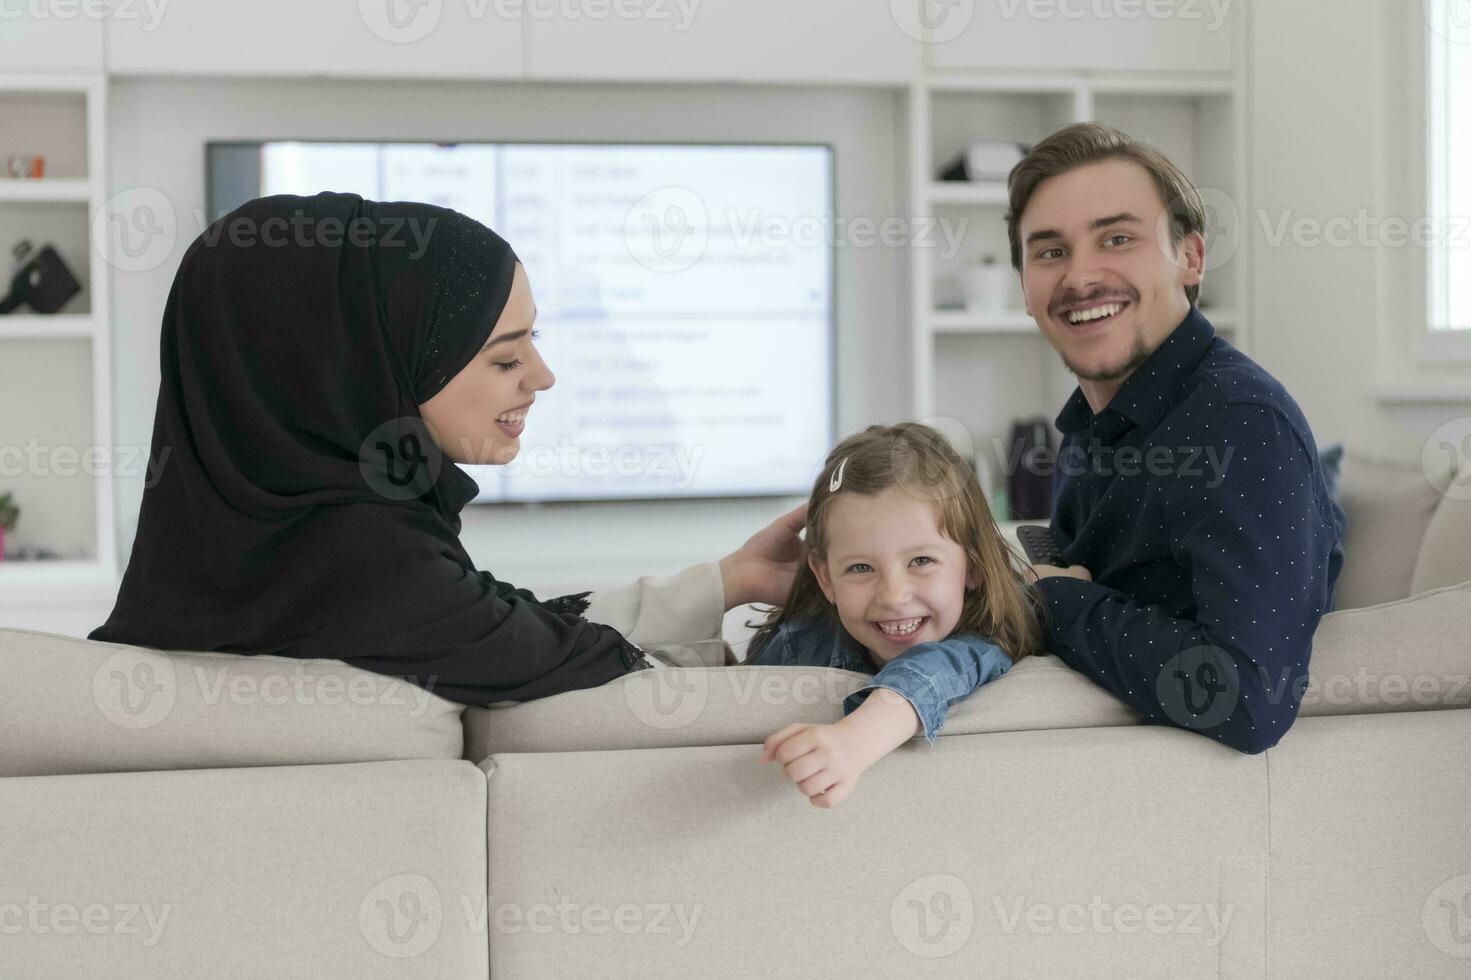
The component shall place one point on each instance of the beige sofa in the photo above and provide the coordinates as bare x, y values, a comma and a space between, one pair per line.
189, 815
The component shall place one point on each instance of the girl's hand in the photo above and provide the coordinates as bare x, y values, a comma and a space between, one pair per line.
824, 761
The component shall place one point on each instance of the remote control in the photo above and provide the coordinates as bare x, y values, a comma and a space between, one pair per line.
1037, 541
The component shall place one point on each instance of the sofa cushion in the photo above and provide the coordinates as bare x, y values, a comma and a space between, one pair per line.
1407, 655
1388, 506
1370, 859
1445, 555
743, 705
369, 870
982, 855
80, 706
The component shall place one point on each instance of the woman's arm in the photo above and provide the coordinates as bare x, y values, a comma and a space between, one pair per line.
669, 609
663, 609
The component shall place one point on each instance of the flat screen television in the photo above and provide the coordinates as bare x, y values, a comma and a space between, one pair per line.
684, 296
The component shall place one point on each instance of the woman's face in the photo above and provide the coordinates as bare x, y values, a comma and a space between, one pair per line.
479, 415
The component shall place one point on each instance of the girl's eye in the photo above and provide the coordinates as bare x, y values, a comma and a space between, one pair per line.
924, 560
859, 567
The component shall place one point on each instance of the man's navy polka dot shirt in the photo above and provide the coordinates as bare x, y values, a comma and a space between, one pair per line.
1196, 501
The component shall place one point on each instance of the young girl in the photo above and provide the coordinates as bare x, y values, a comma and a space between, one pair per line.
907, 578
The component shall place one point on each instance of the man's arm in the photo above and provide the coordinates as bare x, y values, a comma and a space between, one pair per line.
1256, 545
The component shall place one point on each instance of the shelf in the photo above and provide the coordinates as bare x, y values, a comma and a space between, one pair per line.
964, 321
46, 189
962, 192
31, 326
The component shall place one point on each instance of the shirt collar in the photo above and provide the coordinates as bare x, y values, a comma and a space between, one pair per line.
849, 654
1148, 393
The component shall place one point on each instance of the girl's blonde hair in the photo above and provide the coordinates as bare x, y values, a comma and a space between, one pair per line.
1005, 607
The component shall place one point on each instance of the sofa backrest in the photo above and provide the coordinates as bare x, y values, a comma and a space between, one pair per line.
1390, 506
69, 705
1408, 655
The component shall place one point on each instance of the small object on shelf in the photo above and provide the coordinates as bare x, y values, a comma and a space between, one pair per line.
986, 286
9, 517
985, 160
28, 166
1029, 484
43, 281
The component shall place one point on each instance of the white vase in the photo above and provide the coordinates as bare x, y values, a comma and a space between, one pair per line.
986, 287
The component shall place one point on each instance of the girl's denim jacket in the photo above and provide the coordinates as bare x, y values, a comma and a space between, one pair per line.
931, 676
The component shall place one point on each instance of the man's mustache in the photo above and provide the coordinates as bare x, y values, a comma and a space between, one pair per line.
1102, 296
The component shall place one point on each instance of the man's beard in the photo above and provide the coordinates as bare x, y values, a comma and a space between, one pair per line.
1138, 354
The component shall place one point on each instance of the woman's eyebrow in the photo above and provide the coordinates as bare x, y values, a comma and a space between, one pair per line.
504, 338
508, 337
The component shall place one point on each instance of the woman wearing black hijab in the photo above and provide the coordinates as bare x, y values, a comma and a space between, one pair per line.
326, 361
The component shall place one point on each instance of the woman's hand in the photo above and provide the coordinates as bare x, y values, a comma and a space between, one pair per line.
763, 569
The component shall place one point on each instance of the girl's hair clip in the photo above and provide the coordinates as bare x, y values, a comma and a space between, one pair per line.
837, 478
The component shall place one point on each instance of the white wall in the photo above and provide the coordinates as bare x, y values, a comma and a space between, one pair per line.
1323, 82
158, 128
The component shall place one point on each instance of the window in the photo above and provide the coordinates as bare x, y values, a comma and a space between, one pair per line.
1448, 62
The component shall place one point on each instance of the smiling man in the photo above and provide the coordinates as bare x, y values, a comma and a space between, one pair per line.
1189, 504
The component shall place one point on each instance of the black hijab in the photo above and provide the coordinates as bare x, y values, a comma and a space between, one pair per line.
301, 508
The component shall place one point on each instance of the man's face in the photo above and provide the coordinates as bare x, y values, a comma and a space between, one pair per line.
1099, 272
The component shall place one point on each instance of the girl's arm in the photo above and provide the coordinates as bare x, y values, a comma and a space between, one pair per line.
825, 761
911, 694
935, 675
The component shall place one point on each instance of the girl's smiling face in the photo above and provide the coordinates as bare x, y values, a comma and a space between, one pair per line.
895, 577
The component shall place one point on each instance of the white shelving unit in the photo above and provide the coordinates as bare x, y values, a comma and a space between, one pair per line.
64, 507
987, 369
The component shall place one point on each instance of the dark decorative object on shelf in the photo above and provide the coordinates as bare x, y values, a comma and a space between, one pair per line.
9, 517
985, 160
1029, 485
43, 281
